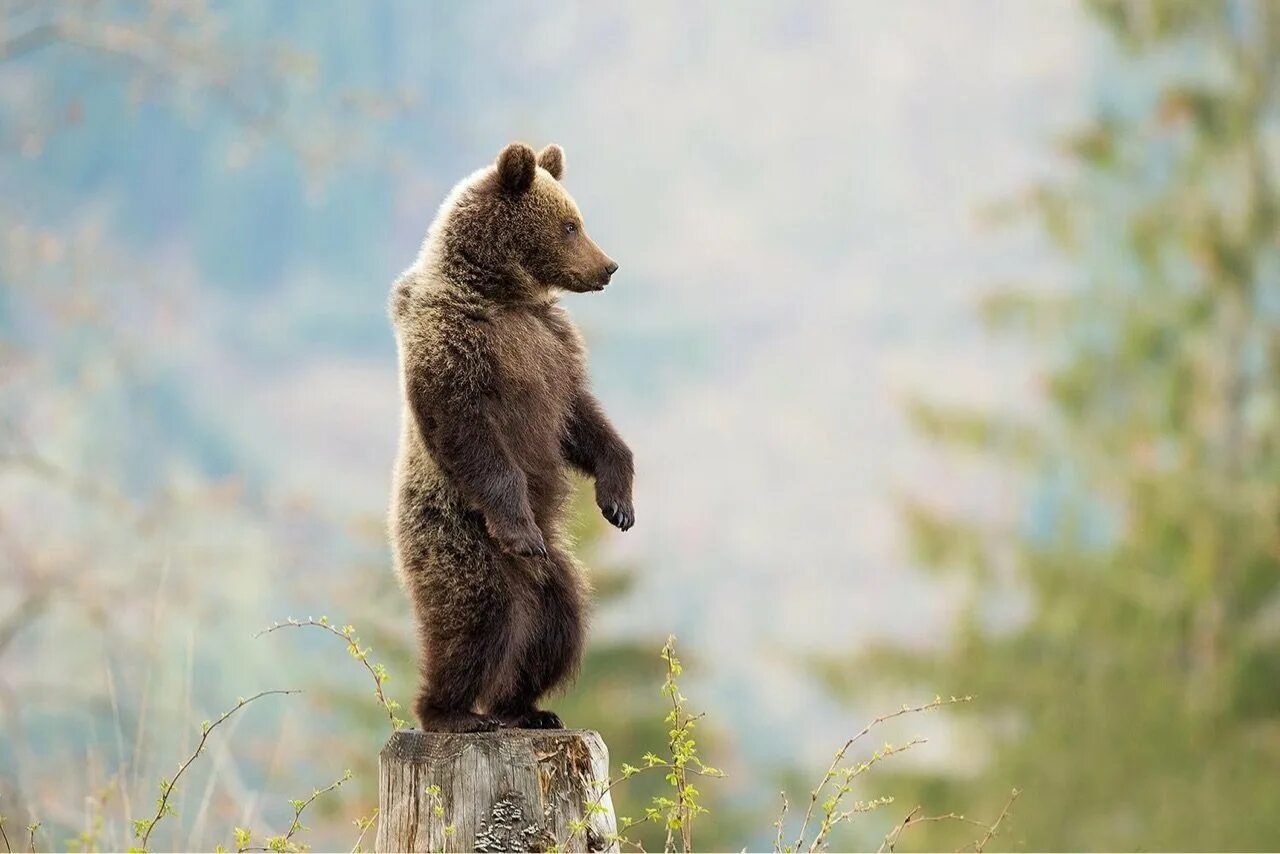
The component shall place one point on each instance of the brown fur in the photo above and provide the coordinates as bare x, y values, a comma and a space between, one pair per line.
497, 408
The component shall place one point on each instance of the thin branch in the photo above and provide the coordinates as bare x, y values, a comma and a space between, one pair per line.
625, 827
593, 805
364, 824
5, 836
299, 807
840, 754
686, 829
636, 770
830, 817
782, 817
914, 818
684, 760
144, 827
891, 838
991, 831
360, 654
284, 842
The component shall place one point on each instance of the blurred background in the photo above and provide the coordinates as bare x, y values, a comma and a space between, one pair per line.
946, 336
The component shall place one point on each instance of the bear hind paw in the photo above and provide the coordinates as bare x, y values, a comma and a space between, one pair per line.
536, 719
458, 722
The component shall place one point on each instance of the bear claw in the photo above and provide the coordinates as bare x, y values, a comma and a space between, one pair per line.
620, 517
538, 719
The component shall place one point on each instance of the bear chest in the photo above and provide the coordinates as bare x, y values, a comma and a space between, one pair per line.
536, 370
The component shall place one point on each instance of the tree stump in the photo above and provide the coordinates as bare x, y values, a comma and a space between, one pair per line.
511, 790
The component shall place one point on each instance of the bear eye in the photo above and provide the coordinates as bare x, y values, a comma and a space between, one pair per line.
570, 228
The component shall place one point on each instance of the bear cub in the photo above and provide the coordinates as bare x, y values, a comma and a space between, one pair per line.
496, 411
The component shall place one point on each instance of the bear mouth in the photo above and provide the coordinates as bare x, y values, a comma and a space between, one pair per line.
583, 286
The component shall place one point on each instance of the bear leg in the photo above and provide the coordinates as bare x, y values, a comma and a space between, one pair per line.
548, 653
457, 663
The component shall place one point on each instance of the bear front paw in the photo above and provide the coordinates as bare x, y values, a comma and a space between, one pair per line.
619, 513
523, 540
528, 547
528, 544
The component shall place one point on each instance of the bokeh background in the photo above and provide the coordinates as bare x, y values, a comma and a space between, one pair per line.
946, 337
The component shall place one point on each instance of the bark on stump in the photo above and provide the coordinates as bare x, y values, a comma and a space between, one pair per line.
511, 790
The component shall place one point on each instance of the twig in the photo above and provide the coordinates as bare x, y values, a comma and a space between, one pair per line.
284, 842
684, 761
5, 836
991, 831
360, 654
840, 754
593, 806
914, 818
625, 827
782, 818
684, 757
31, 840
364, 824
677, 732
891, 838
143, 827
830, 817
299, 807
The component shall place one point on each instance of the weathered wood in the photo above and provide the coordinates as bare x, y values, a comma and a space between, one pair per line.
511, 790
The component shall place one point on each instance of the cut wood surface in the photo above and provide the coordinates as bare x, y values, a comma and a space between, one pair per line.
511, 790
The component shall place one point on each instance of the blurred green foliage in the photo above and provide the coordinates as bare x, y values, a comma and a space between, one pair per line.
1121, 631
1135, 696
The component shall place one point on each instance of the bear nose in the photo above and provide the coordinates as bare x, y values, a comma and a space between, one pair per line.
610, 268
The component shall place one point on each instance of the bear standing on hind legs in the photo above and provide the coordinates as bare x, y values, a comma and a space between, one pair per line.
496, 409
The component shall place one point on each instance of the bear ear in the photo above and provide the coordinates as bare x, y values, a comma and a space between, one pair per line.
551, 158
516, 167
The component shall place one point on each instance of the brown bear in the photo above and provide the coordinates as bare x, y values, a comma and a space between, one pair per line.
496, 411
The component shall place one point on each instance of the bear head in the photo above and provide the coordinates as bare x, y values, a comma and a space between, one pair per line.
513, 230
